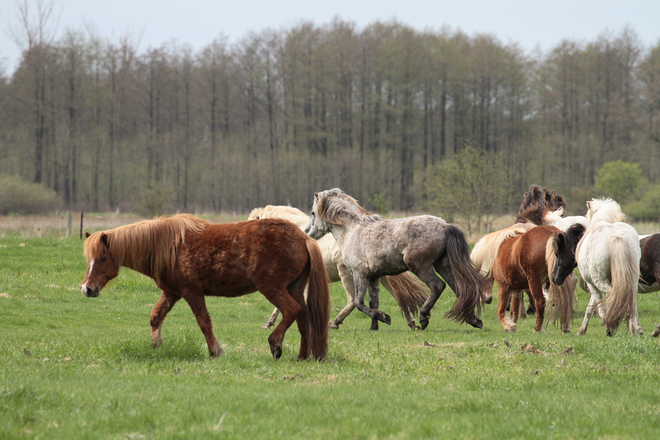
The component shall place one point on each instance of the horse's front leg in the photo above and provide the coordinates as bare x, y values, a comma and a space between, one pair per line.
197, 304
347, 281
158, 314
361, 285
374, 300
504, 295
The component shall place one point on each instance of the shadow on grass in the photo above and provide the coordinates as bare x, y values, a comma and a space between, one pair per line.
179, 348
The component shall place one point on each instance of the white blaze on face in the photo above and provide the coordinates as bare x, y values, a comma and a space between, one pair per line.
83, 288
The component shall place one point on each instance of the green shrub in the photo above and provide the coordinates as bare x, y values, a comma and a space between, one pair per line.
648, 206
22, 197
619, 180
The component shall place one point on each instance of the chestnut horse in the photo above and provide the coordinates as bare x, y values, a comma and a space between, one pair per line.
191, 258
525, 262
408, 291
539, 207
372, 247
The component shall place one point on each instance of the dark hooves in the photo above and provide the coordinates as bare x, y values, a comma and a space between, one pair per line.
385, 318
477, 323
424, 321
374, 324
276, 351
531, 311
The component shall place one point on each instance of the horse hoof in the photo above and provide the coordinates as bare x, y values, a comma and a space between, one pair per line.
610, 332
266, 326
566, 332
531, 311
333, 326
385, 318
215, 352
656, 333
477, 323
374, 325
511, 329
155, 343
277, 352
424, 321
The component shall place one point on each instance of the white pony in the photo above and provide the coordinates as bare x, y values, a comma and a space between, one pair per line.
608, 257
408, 291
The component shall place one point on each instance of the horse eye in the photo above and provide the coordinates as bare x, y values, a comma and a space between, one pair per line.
104, 259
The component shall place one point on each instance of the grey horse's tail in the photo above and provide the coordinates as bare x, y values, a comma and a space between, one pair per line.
469, 282
409, 292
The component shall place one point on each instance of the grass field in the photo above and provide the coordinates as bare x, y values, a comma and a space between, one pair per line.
73, 368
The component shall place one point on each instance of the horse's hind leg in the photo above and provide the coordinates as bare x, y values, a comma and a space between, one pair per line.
197, 304
347, 281
158, 314
536, 290
272, 319
437, 286
656, 332
290, 310
503, 294
594, 303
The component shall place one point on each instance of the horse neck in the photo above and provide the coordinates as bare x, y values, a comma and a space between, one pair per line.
341, 232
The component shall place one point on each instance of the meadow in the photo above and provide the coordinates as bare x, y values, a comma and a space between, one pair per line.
77, 367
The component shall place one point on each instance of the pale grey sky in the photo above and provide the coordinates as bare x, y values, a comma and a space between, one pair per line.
197, 22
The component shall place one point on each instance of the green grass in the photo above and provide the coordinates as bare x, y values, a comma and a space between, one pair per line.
75, 367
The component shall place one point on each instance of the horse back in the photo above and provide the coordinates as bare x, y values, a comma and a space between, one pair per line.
235, 259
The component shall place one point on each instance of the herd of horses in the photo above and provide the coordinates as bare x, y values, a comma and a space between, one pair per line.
291, 258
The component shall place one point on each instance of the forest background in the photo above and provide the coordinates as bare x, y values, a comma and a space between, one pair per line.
402, 119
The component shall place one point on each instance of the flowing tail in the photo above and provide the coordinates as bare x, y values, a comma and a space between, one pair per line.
409, 292
318, 302
560, 301
470, 284
625, 276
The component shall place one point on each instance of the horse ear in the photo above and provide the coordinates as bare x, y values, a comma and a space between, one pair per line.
559, 242
316, 196
87, 234
104, 239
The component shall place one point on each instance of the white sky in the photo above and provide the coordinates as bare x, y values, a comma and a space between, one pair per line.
531, 23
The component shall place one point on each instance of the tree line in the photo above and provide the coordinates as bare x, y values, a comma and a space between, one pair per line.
281, 114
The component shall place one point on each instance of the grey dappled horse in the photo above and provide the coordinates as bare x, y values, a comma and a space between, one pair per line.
373, 247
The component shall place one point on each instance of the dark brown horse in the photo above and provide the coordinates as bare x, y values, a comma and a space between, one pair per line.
191, 258
649, 268
525, 262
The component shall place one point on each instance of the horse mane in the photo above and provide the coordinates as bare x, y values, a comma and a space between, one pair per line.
149, 246
537, 203
606, 210
573, 236
552, 217
334, 206
290, 213
485, 251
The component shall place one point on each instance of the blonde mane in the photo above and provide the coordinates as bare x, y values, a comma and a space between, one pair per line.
334, 206
290, 213
484, 252
606, 210
149, 246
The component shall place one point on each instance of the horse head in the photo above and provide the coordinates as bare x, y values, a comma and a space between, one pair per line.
604, 210
318, 226
564, 245
101, 266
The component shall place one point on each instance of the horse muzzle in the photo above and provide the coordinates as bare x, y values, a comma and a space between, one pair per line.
89, 293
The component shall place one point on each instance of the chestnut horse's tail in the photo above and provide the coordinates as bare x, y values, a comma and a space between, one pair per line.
625, 276
409, 291
470, 284
318, 302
